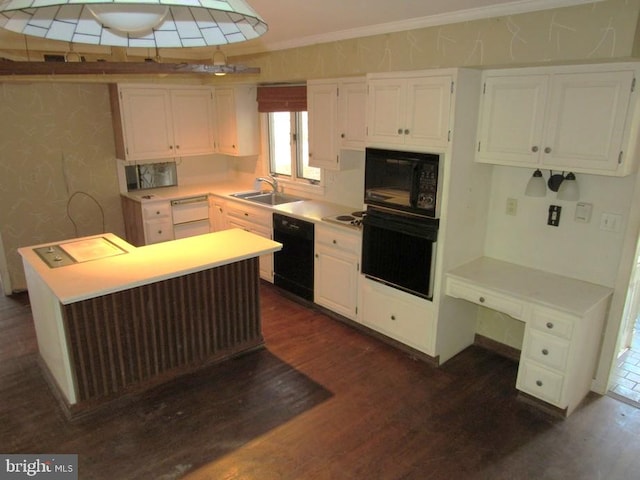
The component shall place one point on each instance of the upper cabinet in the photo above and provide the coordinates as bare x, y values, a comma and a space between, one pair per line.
337, 110
153, 122
410, 110
577, 118
237, 121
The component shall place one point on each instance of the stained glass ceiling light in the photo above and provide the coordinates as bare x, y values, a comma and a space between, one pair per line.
134, 23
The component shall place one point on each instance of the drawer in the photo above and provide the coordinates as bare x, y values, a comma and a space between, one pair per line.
552, 322
156, 210
336, 238
486, 298
540, 382
386, 311
160, 231
250, 214
546, 349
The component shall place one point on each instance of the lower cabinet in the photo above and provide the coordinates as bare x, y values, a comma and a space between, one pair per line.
147, 223
336, 272
255, 220
396, 314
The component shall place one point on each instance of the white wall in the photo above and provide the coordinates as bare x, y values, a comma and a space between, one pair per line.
577, 250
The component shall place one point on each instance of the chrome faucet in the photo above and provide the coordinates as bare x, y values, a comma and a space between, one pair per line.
271, 181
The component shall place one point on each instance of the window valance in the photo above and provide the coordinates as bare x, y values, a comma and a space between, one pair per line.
282, 98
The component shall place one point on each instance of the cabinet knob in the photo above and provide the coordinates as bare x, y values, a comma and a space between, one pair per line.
539, 383
157, 212
549, 325
545, 351
547, 149
246, 214
317, 256
170, 147
481, 299
399, 131
393, 317
342, 135
159, 232
406, 131
335, 242
534, 148
177, 146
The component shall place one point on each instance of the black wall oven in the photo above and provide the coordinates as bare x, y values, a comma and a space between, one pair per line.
399, 250
400, 228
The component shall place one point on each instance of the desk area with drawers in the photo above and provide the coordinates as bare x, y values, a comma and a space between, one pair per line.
563, 320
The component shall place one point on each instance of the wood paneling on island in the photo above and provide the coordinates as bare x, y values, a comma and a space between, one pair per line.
129, 340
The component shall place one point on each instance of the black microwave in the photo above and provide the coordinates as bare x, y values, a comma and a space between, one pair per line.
406, 181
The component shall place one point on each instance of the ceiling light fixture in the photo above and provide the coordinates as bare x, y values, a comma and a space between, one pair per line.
135, 23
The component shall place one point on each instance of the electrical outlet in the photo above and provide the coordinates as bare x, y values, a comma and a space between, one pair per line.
512, 206
554, 215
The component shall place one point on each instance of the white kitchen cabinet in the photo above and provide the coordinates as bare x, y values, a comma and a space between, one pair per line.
337, 110
256, 220
336, 272
563, 324
147, 223
237, 121
409, 110
217, 214
152, 122
559, 118
406, 318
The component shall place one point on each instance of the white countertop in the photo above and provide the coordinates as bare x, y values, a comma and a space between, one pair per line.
309, 209
529, 284
148, 264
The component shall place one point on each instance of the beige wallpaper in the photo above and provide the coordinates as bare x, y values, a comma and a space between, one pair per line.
56, 154
591, 32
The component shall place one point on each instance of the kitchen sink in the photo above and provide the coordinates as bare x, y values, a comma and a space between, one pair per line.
268, 198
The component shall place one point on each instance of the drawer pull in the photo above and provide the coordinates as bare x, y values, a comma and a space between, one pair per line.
539, 383
549, 325
545, 351
246, 214
481, 299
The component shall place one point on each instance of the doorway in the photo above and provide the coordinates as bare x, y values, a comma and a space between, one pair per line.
625, 382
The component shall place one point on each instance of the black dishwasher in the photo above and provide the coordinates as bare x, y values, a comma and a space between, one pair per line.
293, 265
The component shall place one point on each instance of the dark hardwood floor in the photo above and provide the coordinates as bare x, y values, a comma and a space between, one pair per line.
322, 401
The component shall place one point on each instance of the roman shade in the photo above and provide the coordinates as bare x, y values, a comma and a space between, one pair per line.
282, 98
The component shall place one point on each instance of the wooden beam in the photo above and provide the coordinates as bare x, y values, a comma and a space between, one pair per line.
117, 68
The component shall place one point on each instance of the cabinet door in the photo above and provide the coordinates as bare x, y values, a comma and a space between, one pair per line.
336, 281
218, 217
386, 107
511, 119
322, 105
427, 111
587, 113
352, 112
147, 123
227, 141
193, 121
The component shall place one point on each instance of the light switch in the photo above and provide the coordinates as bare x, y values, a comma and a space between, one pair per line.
611, 222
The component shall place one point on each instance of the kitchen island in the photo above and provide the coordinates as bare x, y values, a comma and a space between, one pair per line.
125, 319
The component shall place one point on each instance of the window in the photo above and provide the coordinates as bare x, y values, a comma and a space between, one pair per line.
289, 147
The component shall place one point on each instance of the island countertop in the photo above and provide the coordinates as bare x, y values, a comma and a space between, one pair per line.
144, 265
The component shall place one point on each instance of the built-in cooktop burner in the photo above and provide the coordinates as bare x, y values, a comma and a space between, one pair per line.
353, 219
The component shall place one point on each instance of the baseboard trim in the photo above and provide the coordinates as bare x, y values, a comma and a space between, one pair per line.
497, 347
